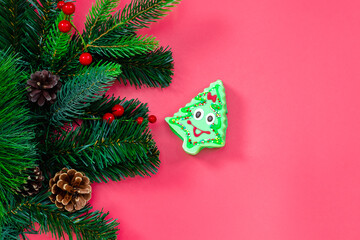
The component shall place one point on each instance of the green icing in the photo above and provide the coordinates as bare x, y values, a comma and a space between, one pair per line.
202, 123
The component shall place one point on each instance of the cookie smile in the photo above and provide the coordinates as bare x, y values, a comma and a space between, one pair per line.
197, 131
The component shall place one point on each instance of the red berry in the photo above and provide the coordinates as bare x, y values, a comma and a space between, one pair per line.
60, 4
152, 119
68, 8
85, 59
64, 26
139, 120
117, 110
108, 117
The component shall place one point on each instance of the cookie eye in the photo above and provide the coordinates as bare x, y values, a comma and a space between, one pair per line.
210, 118
198, 114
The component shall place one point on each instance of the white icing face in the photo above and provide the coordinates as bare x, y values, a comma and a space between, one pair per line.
201, 121
198, 114
210, 118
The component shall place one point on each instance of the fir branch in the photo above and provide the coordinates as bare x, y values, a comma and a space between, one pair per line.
121, 171
81, 91
132, 108
48, 13
141, 13
30, 43
153, 69
100, 12
17, 149
10, 232
11, 17
107, 30
70, 65
83, 223
98, 22
105, 151
83, 70
56, 45
20, 28
137, 14
125, 46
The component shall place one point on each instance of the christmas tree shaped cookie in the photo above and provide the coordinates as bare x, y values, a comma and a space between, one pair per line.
202, 123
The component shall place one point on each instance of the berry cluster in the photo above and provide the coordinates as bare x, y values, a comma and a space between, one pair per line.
118, 110
65, 26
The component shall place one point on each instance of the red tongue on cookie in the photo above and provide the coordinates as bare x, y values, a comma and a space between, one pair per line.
195, 128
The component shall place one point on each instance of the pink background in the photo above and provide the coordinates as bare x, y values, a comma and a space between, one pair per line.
290, 167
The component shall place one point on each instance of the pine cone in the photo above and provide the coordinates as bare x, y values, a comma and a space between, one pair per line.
33, 183
43, 86
70, 189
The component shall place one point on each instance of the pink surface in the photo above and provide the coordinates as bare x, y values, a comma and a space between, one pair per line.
290, 167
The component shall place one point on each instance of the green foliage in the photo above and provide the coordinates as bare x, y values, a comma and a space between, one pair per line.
153, 69
106, 151
125, 46
81, 91
48, 12
140, 13
17, 149
20, 26
56, 45
103, 151
114, 40
99, 14
84, 223
137, 14
82, 70
109, 30
9, 232
13, 20
99, 17
70, 65
132, 108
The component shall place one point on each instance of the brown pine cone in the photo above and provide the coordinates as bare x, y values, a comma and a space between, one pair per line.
33, 182
70, 189
42, 87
